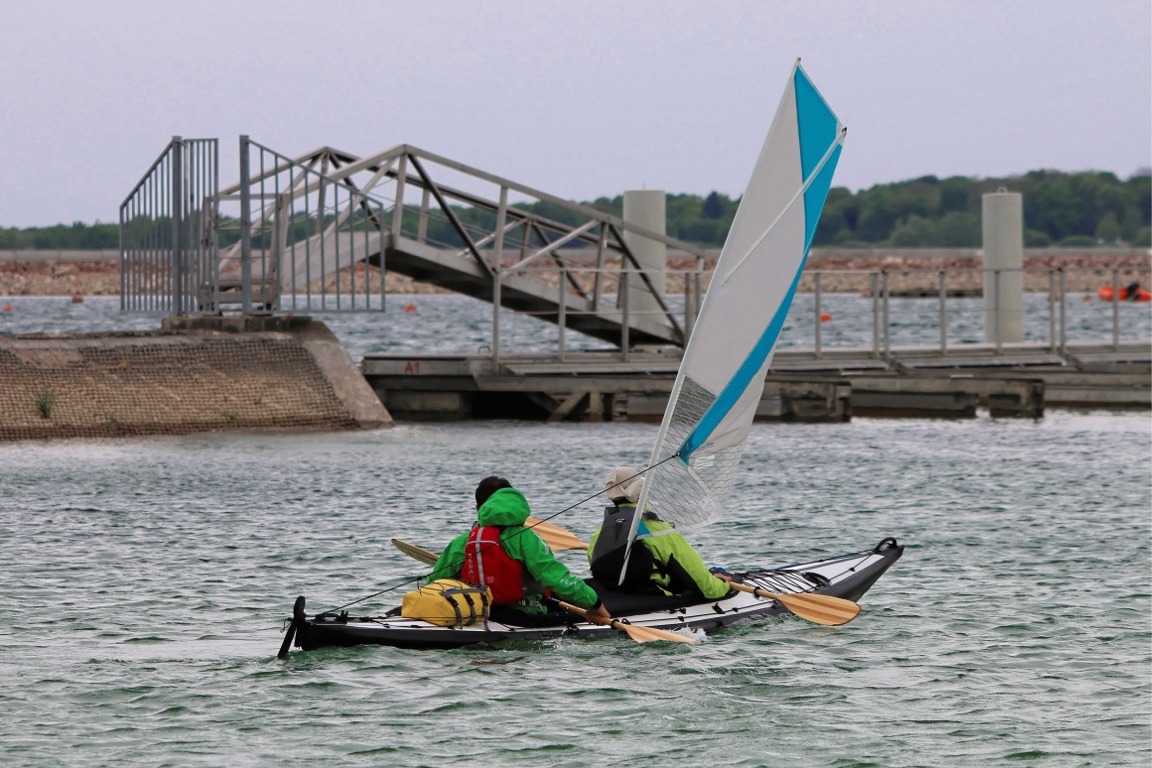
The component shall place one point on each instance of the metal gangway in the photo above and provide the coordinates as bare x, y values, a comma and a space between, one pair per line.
320, 231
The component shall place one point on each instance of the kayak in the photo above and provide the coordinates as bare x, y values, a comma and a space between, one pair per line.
705, 425
846, 576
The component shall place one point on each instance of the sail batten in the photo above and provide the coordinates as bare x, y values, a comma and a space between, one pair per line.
833, 153
721, 377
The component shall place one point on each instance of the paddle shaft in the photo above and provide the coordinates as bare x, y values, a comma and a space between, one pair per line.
583, 612
639, 634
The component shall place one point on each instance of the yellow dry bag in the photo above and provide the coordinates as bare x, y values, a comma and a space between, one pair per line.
447, 603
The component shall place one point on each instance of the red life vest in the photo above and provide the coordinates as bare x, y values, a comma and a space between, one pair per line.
486, 564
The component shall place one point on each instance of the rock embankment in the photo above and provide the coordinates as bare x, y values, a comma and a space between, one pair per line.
97, 273
921, 271
182, 381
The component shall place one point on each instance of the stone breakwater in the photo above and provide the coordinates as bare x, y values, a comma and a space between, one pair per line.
207, 376
920, 271
97, 273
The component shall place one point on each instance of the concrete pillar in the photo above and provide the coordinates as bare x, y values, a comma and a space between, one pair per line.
1003, 219
645, 208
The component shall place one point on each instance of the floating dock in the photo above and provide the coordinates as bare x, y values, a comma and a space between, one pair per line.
801, 386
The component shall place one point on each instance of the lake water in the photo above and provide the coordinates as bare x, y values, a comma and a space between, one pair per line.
455, 324
145, 583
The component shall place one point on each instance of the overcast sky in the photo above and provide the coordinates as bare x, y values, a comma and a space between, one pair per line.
579, 99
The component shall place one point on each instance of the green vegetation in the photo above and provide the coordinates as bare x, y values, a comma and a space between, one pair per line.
1061, 209
79, 236
45, 402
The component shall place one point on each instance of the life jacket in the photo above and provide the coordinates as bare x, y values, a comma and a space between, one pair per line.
486, 564
607, 559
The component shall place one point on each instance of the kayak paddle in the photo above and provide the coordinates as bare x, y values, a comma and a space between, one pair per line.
819, 609
639, 634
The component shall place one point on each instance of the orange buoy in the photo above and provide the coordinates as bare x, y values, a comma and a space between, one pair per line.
410, 308
1105, 293
824, 318
77, 298
7, 308
1087, 298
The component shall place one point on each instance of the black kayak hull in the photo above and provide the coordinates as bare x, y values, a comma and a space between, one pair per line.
848, 576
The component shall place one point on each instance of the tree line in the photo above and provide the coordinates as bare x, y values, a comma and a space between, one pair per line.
1080, 209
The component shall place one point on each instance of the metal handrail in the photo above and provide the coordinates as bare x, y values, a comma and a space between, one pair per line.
1055, 312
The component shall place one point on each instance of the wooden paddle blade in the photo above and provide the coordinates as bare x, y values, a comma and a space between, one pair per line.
556, 537
648, 634
820, 609
415, 552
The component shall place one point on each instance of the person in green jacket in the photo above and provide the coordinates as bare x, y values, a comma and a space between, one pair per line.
668, 562
499, 504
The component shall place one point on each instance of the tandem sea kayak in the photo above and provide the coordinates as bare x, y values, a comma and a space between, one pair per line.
846, 576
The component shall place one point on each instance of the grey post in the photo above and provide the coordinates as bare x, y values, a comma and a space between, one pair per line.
943, 312
178, 248
245, 229
816, 315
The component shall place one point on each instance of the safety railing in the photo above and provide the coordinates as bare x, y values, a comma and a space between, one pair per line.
314, 233
961, 307
295, 239
874, 312
167, 230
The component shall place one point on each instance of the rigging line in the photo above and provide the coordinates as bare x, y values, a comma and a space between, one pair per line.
799, 193
859, 560
375, 594
598, 493
841, 559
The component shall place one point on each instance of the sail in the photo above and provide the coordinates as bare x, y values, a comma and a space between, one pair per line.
721, 377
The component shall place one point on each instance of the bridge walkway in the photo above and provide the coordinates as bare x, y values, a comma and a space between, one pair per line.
320, 221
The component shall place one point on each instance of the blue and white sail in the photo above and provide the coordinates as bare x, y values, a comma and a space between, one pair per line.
721, 378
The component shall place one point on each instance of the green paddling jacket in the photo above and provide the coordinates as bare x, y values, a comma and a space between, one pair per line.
677, 565
509, 509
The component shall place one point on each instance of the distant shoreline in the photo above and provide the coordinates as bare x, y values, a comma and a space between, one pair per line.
97, 273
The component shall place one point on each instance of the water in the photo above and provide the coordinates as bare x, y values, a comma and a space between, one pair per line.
455, 324
145, 582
